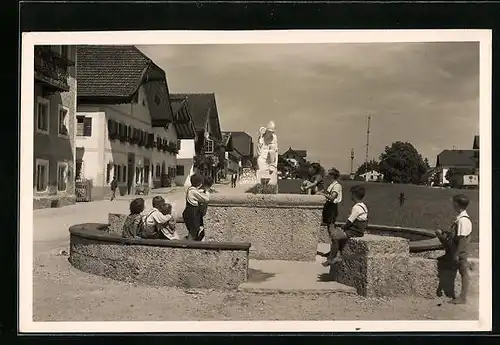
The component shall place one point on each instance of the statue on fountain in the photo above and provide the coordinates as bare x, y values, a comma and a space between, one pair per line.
267, 155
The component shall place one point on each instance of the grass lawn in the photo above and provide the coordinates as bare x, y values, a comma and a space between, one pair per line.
424, 207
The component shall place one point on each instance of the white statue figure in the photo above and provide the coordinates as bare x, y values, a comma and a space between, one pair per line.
267, 154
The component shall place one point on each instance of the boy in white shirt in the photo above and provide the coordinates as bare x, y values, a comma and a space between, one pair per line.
355, 226
333, 195
193, 213
455, 243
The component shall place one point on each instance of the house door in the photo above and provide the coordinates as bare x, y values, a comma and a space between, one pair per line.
130, 172
163, 175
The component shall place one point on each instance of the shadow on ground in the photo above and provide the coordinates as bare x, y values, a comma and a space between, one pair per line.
257, 276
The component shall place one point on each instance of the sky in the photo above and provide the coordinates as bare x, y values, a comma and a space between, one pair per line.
320, 95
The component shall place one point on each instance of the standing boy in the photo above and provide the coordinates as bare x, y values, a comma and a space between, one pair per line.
355, 226
208, 182
114, 186
455, 243
333, 195
192, 213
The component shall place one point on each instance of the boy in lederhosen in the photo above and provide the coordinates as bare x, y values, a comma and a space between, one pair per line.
192, 213
333, 195
208, 182
455, 243
355, 226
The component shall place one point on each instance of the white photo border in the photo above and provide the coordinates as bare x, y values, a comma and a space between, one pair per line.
25, 234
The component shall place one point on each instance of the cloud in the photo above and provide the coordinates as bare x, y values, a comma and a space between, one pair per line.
320, 95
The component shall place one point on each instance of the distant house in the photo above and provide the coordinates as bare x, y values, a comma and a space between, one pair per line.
295, 157
126, 128
208, 152
243, 149
231, 156
372, 176
462, 161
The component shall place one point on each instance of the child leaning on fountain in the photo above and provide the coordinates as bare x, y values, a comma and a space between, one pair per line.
456, 241
192, 214
208, 182
133, 222
355, 226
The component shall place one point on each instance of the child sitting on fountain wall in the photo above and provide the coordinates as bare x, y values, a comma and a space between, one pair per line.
132, 225
192, 214
455, 243
158, 223
355, 226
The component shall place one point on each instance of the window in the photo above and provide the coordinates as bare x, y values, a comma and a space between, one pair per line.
42, 175
62, 176
83, 126
209, 146
42, 115
180, 170
146, 174
137, 174
124, 176
108, 173
158, 171
118, 172
79, 169
63, 121
157, 100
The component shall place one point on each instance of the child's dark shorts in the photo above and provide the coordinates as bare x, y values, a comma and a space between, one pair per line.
337, 233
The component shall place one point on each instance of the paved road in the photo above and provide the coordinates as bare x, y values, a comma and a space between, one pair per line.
51, 224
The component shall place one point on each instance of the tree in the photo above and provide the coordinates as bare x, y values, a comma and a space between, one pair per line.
401, 163
426, 163
367, 166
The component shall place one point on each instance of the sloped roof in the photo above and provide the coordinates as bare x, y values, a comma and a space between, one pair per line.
243, 143
227, 140
300, 153
475, 145
182, 119
202, 107
457, 158
110, 71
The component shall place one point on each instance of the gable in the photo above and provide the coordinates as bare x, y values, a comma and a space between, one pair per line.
110, 71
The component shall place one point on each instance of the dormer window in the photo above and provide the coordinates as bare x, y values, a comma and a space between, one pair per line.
209, 146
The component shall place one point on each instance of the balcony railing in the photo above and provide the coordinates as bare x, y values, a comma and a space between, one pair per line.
51, 68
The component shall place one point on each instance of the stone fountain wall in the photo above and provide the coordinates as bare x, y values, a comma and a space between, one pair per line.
279, 226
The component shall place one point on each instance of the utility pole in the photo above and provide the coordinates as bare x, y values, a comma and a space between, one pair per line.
352, 161
367, 142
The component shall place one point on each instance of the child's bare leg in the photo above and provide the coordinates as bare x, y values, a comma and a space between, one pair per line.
465, 277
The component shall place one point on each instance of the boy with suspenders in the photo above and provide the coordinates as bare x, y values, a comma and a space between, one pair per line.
355, 226
455, 243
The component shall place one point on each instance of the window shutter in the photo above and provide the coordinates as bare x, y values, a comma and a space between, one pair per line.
151, 139
87, 126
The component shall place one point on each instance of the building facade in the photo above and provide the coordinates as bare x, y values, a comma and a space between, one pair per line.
459, 161
295, 157
208, 157
126, 128
54, 126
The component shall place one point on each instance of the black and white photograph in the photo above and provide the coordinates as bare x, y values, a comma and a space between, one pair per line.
312, 181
